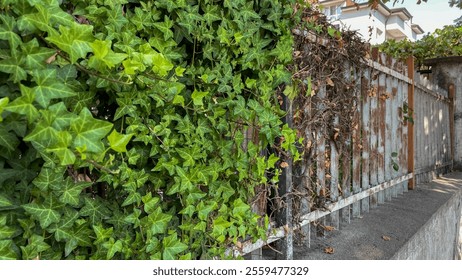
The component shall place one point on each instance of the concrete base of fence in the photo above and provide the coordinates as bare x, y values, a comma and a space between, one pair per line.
420, 224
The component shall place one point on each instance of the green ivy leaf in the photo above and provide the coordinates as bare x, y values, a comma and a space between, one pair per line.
48, 87
90, 131
172, 247
161, 65
158, 221
205, 209
45, 213
38, 20
240, 208
6, 250
70, 192
188, 159
74, 40
48, 179
95, 209
8, 139
118, 142
104, 56
150, 203
23, 104
6, 232
102, 234
113, 248
61, 148
14, 67
197, 97
35, 246
8, 33
5, 201
36, 56
220, 225
165, 27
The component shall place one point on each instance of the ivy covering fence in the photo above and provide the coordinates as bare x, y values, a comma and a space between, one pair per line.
122, 125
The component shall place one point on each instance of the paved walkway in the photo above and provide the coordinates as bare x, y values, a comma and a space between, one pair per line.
380, 233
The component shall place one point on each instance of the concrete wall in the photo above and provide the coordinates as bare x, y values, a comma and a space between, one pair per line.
439, 238
446, 71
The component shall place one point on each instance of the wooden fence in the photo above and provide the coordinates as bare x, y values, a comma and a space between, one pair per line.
434, 128
402, 135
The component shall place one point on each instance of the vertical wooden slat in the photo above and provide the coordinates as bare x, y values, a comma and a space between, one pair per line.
356, 142
346, 162
388, 135
306, 183
395, 116
427, 116
381, 135
284, 215
374, 138
346, 181
451, 95
334, 219
366, 132
410, 126
321, 155
403, 156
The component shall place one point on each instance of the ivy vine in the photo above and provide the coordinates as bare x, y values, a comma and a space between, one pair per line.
441, 43
123, 123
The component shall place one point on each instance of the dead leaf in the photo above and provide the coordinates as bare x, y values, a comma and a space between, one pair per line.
329, 250
239, 245
335, 136
83, 178
51, 59
284, 164
329, 228
386, 238
329, 82
280, 100
286, 228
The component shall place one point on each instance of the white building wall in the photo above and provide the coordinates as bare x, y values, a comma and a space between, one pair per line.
364, 19
369, 24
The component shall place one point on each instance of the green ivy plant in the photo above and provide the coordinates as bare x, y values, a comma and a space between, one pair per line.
441, 43
122, 125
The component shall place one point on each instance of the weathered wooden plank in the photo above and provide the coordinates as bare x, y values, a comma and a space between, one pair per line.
403, 136
451, 94
427, 142
381, 135
395, 119
410, 126
388, 133
284, 215
346, 181
306, 183
321, 190
356, 142
435, 94
334, 218
365, 138
346, 163
374, 135
388, 71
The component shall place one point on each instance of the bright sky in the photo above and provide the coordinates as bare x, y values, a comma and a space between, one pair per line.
431, 15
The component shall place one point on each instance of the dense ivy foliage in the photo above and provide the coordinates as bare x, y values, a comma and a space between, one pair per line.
122, 125
441, 43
